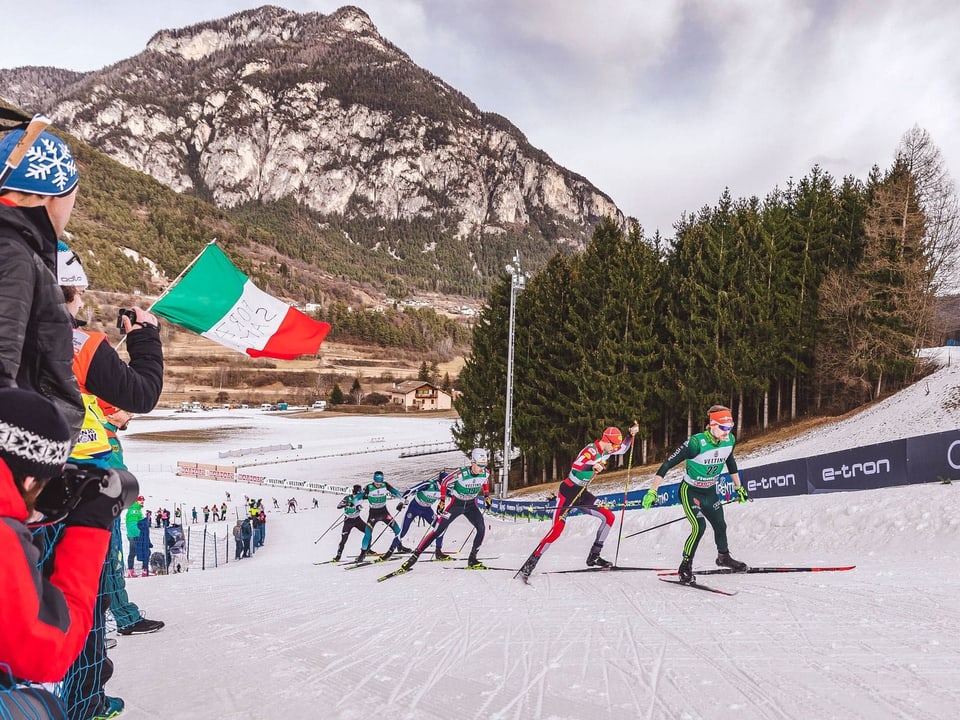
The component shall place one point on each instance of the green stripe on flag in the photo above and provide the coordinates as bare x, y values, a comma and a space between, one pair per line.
205, 294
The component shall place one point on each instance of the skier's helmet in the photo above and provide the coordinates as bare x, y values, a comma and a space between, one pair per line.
378, 476
479, 456
356, 489
613, 436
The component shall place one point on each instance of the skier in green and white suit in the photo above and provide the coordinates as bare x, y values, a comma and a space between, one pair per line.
705, 454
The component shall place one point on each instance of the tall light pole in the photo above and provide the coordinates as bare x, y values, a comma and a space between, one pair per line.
518, 280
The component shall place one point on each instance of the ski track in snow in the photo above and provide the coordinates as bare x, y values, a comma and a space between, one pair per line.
276, 637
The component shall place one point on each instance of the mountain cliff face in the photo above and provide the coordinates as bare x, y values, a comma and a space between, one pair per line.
269, 105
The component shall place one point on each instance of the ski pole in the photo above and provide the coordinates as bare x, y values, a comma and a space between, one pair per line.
340, 520
669, 522
37, 125
626, 489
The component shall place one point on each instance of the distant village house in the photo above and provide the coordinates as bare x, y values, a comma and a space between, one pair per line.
420, 395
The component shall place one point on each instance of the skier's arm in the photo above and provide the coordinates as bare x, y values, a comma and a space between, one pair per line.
733, 469
687, 451
393, 491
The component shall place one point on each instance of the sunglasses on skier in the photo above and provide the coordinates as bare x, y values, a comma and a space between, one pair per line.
724, 428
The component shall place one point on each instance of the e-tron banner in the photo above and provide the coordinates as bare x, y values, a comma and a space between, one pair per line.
934, 457
776, 480
863, 468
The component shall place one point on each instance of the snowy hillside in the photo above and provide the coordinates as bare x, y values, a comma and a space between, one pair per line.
276, 636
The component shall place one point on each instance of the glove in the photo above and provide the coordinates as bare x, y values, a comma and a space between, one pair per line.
649, 499
742, 496
440, 507
400, 506
488, 501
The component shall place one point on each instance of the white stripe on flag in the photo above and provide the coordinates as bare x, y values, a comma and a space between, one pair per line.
251, 322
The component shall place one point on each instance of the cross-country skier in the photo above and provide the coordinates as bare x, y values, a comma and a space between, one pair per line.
376, 494
422, 498
351, 505
705, 454
458, 495
573, 493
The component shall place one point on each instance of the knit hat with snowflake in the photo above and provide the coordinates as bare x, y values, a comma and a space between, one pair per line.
48, 168
34, 437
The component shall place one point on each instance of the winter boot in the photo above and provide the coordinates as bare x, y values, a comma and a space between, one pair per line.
724, 560
473, 563
594, 560
529, 565
686, 571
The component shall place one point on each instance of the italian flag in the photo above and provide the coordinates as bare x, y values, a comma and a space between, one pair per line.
219, 302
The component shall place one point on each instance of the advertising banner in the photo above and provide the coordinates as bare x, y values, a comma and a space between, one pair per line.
780, 479
932, 458
863, 468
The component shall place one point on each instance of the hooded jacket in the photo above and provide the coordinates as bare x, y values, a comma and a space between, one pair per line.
36, 347
44, 622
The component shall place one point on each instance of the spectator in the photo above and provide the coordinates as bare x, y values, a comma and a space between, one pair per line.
246, 532
238, 539
45, 620
36, 350
133, 518
104, 380
193, 513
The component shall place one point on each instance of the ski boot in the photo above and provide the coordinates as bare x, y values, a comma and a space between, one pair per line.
402, 549
336, 558
594, 560
440, 556
410, 561
386, 556
724, 560
361, 556
528, 567
473, 563
686, 571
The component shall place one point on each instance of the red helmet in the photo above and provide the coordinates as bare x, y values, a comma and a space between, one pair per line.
613, 436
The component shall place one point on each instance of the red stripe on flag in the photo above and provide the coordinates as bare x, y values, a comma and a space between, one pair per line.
297, 335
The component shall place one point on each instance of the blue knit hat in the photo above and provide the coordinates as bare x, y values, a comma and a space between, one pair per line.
48, 168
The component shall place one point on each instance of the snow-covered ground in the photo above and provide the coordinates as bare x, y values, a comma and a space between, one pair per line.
276, 636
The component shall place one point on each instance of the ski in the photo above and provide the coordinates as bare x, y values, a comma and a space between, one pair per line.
354, 566
698, 586
326, 562
756, 570
603, 569
451, 558
485, 567
399, 571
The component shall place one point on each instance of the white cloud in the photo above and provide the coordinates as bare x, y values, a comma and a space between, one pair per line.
661, 105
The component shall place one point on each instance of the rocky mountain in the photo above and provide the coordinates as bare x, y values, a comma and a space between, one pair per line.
311, 119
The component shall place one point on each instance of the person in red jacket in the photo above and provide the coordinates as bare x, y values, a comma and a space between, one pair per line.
45, 619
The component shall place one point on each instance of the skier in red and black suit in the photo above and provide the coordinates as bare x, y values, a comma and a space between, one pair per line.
573, 493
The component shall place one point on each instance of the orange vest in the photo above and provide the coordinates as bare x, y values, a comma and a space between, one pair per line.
93, 444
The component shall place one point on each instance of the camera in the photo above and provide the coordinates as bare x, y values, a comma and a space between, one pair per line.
121, 313
81, 483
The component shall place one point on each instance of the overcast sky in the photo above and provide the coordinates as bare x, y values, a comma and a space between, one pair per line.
660, 104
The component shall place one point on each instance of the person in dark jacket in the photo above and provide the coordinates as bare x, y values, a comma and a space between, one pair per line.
36, 351
45, 619
110, 384
246, 532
